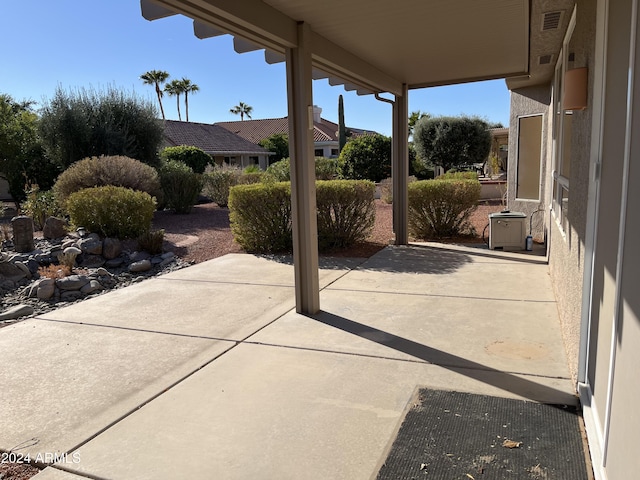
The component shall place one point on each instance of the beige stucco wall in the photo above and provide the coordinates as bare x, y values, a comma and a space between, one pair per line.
525, 102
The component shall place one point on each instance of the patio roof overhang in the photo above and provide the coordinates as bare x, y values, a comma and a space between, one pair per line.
374, 45
371, 46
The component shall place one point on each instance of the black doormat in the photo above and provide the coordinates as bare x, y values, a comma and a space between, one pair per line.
452, 435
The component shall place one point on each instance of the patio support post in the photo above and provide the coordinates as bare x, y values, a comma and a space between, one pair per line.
303, 177
400, 166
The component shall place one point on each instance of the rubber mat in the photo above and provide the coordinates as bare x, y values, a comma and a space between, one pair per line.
453, 435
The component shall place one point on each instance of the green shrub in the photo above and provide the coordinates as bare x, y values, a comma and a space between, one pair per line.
367, 158
101, 171
194, 157
40, 205
180, 186
112, 211
453, 175
280, 171
346, 212
151, 241
441, 208
247, 178
252, 169
260, 216
326, 169
218, 182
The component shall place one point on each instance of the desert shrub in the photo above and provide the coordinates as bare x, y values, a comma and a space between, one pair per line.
54, 271
194, 157
216, 184
441, 208
39, 205
386, 189
453, 175
247, 178
180, 186
260, 216
101, 171
255, 168
280, 171
326, 169
151, 241
346, 212
112, 211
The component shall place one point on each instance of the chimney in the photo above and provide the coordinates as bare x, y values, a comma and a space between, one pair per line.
316, 113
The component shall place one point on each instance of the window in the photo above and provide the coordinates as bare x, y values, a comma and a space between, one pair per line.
334, 152
253, 161
529, 154
319, 152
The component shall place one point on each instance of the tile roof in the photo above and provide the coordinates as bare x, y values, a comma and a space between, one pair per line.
211, 138
256, 130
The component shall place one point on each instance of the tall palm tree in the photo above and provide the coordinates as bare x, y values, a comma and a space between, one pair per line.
242, 109
175, 88
187, 88
156, 78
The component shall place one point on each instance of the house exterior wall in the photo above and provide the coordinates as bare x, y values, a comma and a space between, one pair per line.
526, 102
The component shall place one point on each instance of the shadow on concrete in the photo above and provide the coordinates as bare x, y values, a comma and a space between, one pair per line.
416, 259
507, 381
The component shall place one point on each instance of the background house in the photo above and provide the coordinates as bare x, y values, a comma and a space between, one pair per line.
224, 146
325, 133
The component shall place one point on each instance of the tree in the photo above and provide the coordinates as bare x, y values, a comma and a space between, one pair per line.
175, 88
156, 78
367, 158
187, 88
277, 143
342, 129
89, 123
413, 119
242, 109
452, 141
22, 159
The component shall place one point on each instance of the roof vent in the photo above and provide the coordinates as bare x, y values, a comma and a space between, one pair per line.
545, 59
551, 20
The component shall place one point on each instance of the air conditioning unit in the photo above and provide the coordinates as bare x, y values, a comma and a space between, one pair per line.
507, 230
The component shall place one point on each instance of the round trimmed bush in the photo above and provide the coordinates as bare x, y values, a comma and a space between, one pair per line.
112, 211
100, 171
180, 186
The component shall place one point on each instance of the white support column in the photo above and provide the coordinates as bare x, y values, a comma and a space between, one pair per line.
400, 166
303, 177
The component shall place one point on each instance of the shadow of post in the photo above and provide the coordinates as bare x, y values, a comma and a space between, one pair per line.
506, 381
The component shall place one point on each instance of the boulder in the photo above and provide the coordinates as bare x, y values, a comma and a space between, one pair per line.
46, 288
111, 248
141, 266
72, 282
54, 227
17, 312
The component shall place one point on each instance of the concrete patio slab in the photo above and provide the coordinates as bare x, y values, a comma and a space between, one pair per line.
51, 473
221, 299
268, 412
63, 383
441, 270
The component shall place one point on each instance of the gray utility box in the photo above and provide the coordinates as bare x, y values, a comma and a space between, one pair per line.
507, 230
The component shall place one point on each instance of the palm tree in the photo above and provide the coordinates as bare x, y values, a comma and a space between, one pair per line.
187, 88
175, 88
156, 78
242, 109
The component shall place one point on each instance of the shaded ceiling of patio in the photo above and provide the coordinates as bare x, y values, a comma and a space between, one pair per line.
375, 46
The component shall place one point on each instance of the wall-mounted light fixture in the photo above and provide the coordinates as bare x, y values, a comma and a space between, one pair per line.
575, 89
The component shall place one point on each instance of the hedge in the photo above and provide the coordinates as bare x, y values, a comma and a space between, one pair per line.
441, 208
260, 214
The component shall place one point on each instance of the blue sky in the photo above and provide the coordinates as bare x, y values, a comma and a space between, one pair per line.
88, 43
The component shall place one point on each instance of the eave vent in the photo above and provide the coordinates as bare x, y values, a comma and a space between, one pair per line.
551, 20
545, 59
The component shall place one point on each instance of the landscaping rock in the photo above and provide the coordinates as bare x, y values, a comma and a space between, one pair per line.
46, 288
11, 271
92, 261
22, 233
111, 248
92, 286
91, 245
54, 227
72, 282
141, 266
17, 312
